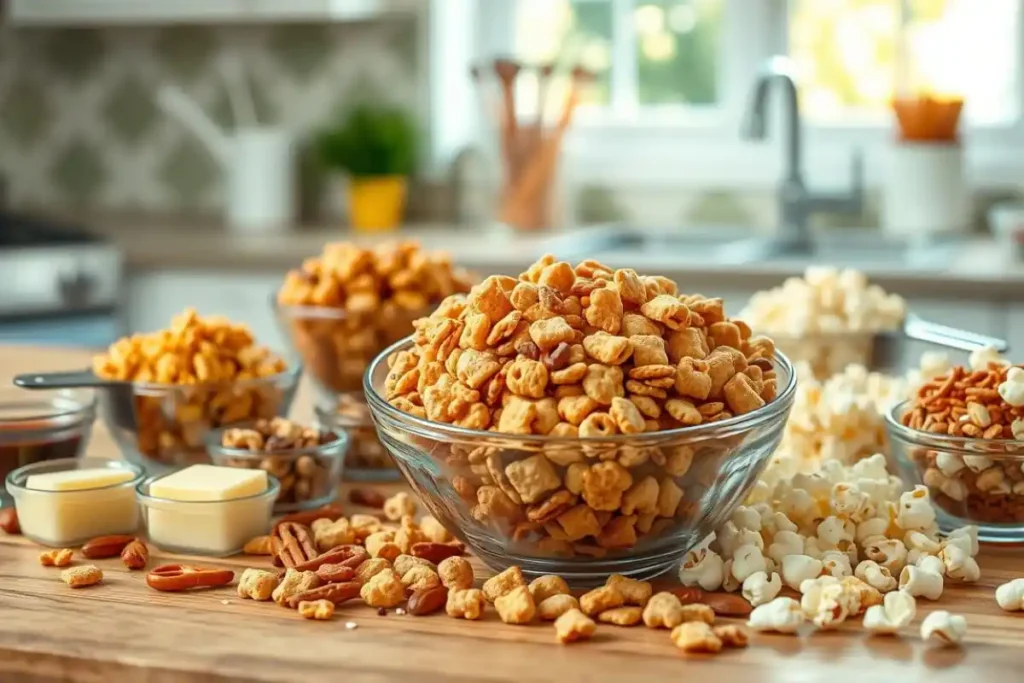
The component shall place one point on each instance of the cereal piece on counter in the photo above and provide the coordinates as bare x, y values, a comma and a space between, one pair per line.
364, 526
319, 610
574, 626
696, 636
293, 583
403, 563
544, 587
420, 577
503, 582
731, 635
554, 606
56, 558
516, 606
600, 599
697, 612
433, 530
455, 572
382, 544
328, 534
399, 505
257, 584
384, 589
621, 616
633, 591
465, 603
258, 545
371, 567
82, 576
663, 610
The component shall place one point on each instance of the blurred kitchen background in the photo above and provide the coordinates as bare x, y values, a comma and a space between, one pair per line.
158, 155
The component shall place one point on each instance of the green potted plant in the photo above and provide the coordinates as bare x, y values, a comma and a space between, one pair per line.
376, 147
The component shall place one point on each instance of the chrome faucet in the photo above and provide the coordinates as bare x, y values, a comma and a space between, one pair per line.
796, 203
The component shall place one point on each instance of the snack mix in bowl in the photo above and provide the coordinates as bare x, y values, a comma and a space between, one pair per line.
828, 318
342, 308
581, 421
962, 437
201, 374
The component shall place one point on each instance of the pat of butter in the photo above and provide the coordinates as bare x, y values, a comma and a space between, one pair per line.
208, 510
76, 480
209, 482
69, 507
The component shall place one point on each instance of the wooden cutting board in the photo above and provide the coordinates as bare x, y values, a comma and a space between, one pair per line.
123, 631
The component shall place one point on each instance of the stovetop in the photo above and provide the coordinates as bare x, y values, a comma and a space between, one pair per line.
18, 231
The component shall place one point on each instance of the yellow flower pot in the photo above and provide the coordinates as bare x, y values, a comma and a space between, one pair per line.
376, 204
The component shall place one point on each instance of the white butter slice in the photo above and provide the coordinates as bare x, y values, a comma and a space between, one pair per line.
209, 483
78, 480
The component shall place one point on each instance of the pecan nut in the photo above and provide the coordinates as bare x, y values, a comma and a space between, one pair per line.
347, 555
689, 595
367, 497
335, 573
106, 546
728, 604
427, 601
172, 578
335, 592
135, 555
436, 552
307, 517
296, 544
9, 521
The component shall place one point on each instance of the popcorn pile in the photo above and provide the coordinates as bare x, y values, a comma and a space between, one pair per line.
827, 318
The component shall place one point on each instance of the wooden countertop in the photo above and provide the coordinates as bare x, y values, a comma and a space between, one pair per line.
123, 631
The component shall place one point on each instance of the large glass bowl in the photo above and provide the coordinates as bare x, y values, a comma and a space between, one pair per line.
336, 347
971, 481
164, 426
460, 475
39, 426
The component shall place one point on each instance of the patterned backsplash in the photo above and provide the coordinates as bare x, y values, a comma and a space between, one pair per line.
79, 125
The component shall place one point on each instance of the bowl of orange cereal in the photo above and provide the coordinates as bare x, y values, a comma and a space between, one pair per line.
342, 308
169, 388
583, 420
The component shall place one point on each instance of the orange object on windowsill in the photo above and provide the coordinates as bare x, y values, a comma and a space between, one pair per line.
928, 118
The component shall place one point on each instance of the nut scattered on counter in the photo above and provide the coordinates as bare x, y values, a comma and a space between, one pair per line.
82, 576
288, 451
102, 547
826, 318
9, 521
135, 555
586, 351
206, 366
56, 558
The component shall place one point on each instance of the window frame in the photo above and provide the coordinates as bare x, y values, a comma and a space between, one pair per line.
658, 147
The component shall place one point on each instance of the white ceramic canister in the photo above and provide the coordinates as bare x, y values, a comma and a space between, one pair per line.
260, 179
925, 191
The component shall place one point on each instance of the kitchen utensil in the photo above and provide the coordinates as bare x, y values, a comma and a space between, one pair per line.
507, 71
115, 397
243, 106
258, 162
888, 347
440, 463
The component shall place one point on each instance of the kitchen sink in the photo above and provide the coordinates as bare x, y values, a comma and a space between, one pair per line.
863, 249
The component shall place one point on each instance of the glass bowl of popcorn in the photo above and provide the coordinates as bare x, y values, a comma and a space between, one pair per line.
341, 309
962, 437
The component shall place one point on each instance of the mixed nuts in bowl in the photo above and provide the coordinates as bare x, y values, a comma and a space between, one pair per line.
580, 421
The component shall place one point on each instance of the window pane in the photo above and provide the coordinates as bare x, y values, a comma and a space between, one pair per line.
677, 50
846, 53
576, 32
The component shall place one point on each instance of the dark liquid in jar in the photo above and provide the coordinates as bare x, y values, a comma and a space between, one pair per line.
15, 453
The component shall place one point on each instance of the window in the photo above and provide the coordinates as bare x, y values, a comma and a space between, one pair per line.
672, 77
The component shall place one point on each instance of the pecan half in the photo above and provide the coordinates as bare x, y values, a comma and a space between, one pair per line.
335, 573
348, 555
297, 545
689, 595
727, 604
172, 578
436, 552
135, 555
367, 497
9, 521
106, 546
335, 592
307, 517
427, 601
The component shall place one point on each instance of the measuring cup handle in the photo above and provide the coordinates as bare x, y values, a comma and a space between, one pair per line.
923, 330
59, 380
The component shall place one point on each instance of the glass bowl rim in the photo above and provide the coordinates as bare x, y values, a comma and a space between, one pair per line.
292, 373
85, 400
945, 441
273, 488
430, 429
825, 334
140, 474
317, 312
335, 448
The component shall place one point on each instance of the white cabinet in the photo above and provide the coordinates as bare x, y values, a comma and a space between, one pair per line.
71, 12
155, 297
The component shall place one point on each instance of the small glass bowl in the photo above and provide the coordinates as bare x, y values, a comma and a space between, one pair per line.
950, 467
703, 473
164, 426
367, 459
68, 518
309, 477
39, 426
217, 528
